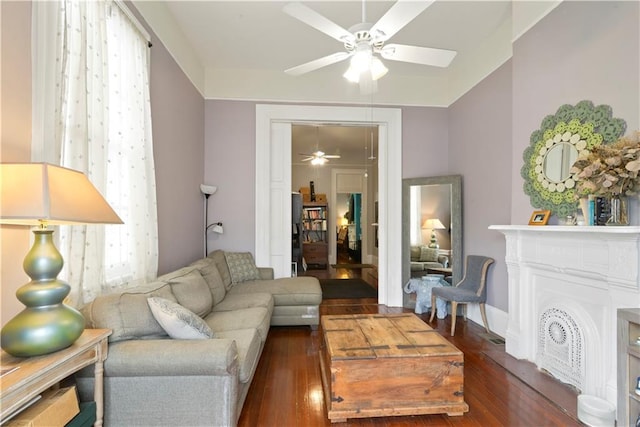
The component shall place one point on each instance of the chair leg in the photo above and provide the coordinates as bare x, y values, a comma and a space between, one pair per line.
464, 312
433, 307
454, 315
484, 317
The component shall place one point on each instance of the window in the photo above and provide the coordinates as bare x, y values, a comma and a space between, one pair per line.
92, 113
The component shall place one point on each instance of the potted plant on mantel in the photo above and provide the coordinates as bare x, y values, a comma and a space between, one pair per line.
612, 171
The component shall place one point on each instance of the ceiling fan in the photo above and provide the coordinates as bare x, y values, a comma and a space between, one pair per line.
364, 41
319, 157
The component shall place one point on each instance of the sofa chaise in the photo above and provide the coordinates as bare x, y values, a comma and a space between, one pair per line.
153, 379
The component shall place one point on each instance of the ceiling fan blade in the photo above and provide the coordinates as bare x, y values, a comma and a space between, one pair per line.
331, 156
317, 21
418, 55
306, 159
400, 14
318, 63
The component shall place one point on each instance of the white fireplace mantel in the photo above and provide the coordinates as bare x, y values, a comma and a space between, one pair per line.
584, 273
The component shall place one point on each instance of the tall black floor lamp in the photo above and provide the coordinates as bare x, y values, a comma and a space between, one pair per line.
208, 190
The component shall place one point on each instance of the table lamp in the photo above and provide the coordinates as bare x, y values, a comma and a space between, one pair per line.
433, 225
40, 194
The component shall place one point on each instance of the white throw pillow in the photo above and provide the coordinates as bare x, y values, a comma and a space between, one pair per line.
177, 321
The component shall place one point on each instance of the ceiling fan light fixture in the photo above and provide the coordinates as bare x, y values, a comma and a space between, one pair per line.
352, 75
378, 69
318, 161
374, 66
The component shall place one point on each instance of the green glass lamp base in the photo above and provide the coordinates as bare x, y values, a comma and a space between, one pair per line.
42, 330
46, 324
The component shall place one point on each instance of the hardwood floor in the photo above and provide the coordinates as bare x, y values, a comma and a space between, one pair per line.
287, 387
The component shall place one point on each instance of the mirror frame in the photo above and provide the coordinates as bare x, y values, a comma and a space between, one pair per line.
456, 225
583, 125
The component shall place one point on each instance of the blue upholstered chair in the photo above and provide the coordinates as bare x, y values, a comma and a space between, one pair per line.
471, 289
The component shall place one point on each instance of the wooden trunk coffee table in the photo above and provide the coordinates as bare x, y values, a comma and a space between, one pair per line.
378, 365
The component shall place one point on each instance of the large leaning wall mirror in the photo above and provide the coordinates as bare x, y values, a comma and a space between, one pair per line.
431, 228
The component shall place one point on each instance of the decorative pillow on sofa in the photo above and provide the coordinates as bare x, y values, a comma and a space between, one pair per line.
415, 253
242, 267
177, 321
428, 254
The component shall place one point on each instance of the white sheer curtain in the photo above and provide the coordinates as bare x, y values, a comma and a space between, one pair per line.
97, 90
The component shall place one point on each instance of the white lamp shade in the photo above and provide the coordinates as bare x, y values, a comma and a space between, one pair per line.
433, 224
208, 189
33, 193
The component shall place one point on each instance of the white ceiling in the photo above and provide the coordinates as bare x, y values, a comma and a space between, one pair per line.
259, 35
240, 49
354, 144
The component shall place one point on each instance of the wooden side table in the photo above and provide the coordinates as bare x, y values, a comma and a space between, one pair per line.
36, 374
440, 270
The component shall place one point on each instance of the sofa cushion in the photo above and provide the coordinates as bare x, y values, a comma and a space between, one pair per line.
177, 321
245, 318
221, 263
416, 266
242, 267
191, 291
428, 254
249, 349
237, 301
211, 275
302, 290
127, 314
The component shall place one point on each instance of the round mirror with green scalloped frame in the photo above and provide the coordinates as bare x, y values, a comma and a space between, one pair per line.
552, 150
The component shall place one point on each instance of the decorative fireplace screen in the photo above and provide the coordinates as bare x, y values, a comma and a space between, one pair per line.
561, 347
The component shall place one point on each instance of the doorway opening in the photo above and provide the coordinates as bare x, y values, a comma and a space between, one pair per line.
273, 186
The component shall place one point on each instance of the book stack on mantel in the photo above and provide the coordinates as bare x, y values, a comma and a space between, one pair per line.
598, 211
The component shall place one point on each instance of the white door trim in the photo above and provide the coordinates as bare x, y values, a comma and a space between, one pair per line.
389, 185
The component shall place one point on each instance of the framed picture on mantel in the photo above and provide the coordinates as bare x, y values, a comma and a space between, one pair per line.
539, 218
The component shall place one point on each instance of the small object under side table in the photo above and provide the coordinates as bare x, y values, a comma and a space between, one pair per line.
36, 374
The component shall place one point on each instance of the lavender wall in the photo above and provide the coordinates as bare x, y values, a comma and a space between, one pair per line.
480, 151
178, 146
425, 140
230, 162
230, 158
15, 145
581, 50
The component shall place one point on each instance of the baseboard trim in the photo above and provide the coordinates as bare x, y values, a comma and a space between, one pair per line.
497, 318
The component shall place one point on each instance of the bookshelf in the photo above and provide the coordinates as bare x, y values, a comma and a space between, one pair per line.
314, 234
296, 232
628, 365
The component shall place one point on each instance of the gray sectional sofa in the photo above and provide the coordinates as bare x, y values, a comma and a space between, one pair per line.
422, 258
152, 379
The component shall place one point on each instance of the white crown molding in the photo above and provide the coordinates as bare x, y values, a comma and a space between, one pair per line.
159, 18
526, 14
324, 87
488, 57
